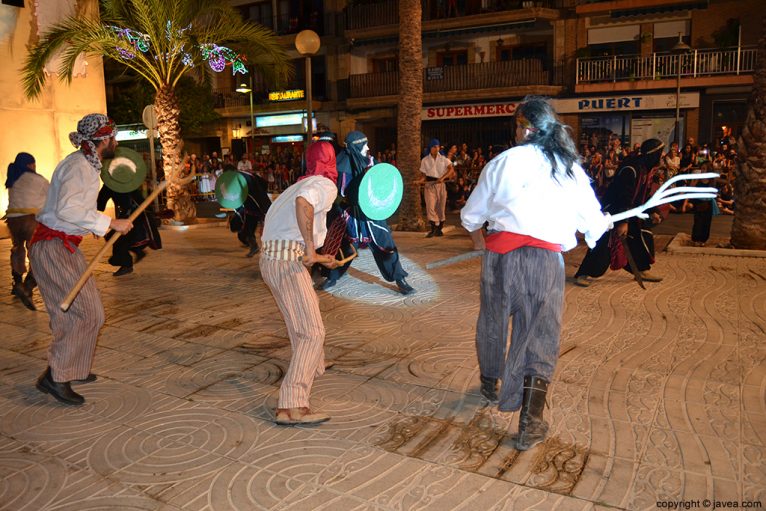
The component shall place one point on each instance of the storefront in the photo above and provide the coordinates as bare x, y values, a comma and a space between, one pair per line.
632, 118
476, 124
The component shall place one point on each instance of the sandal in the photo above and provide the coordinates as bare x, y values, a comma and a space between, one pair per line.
299, 416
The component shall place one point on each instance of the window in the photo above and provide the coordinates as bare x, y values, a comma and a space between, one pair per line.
257, 13
452, 58
385, 64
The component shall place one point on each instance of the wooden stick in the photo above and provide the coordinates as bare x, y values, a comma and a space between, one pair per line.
455, 259
64, 306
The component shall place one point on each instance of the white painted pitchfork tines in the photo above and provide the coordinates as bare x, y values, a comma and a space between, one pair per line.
664, 194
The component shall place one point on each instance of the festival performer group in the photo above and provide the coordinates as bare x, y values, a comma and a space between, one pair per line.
524, 212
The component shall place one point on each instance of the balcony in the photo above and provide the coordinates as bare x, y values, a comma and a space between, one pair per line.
381, 19
698, 67
461, 82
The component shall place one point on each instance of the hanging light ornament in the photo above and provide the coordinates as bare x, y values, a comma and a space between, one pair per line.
217, 57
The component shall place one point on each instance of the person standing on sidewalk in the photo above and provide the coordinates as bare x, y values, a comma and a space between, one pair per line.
436, 169
27, 191
534, 196
294, 228
69, 214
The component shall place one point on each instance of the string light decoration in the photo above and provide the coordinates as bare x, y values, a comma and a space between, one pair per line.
217, 57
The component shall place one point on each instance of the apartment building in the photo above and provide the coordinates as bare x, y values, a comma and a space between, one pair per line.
610, 67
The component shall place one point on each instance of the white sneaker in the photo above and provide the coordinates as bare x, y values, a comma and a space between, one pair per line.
582, 281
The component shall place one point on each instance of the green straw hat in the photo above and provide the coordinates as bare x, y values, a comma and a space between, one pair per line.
231, 189
380, 191
125, 172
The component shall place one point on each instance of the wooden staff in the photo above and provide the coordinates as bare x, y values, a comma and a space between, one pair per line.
64, 306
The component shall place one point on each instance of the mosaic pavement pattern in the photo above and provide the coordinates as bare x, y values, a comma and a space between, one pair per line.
658, 395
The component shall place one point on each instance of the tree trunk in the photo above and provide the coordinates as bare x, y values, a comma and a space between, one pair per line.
410, 104
749, 228
168, 111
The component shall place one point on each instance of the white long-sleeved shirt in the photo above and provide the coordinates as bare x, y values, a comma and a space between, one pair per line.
281, 223
27, 195
434, 167
71, 203
516, 193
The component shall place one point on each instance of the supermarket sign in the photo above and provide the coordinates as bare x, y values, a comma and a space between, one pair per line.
587, 104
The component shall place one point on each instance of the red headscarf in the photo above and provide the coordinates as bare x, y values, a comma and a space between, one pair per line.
320, 161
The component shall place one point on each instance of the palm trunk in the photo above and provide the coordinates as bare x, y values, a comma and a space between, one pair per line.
179, 198
749, 228
410, 105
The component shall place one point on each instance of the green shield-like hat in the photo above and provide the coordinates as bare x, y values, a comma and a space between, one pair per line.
125, 172
231, 189
380, 191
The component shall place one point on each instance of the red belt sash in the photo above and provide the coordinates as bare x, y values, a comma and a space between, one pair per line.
44, 233
503, 242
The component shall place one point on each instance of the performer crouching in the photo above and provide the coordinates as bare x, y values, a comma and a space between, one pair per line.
534, 196
69, 214
294, 227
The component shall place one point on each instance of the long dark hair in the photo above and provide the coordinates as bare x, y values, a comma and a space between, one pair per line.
549, 134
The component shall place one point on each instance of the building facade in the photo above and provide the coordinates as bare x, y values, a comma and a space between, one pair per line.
610, 67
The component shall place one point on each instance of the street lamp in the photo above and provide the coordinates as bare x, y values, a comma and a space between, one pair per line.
307, 43
244, 89
679, 50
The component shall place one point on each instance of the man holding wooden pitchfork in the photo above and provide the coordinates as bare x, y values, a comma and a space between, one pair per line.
69, 214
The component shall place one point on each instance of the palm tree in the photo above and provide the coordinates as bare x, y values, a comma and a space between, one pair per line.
410, 105
749, 228
162, 41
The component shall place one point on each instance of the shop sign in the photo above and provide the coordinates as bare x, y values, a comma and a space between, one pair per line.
435, 73
287, 95
625, 103
436, 113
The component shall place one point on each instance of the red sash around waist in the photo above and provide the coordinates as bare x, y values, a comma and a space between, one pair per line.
503, 242
43, 232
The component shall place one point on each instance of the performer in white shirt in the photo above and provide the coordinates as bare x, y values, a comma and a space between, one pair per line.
26, 195
436, 169
295, 227
534, 196
69, 214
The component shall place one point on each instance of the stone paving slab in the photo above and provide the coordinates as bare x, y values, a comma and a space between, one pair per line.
658, 395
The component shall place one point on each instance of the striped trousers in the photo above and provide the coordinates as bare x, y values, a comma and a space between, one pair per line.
528, 284
436, 201
74, 332
291, 285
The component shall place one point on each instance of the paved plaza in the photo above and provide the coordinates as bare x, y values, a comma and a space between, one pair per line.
659, 395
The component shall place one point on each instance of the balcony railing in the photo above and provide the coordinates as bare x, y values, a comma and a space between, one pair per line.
376, 14
697, 63
489, 75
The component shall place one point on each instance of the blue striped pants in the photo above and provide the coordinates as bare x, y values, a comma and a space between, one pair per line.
527, 284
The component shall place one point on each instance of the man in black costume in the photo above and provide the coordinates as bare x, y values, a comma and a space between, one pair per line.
631, 187
144, 233
353, 161
252, 212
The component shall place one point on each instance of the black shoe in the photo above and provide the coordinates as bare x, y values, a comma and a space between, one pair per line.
254, 249
489, 388
124, 270
61, 391
327, 284
139, 255
19, 292
404, 288
88, 379
431, 234
439, 230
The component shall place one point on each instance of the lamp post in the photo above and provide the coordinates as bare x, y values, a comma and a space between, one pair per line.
307, 43
244, 89
679, 50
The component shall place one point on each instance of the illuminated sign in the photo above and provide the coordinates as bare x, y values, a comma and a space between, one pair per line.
279, 120
123, 135
286, 138
287, 95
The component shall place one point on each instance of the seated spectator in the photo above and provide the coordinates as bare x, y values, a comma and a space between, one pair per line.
725, 200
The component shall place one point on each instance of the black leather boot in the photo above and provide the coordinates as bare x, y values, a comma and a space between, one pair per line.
433, 230
489, 388
29, 283
61, 391
532, 427
404, 287
439, 229
19, 292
